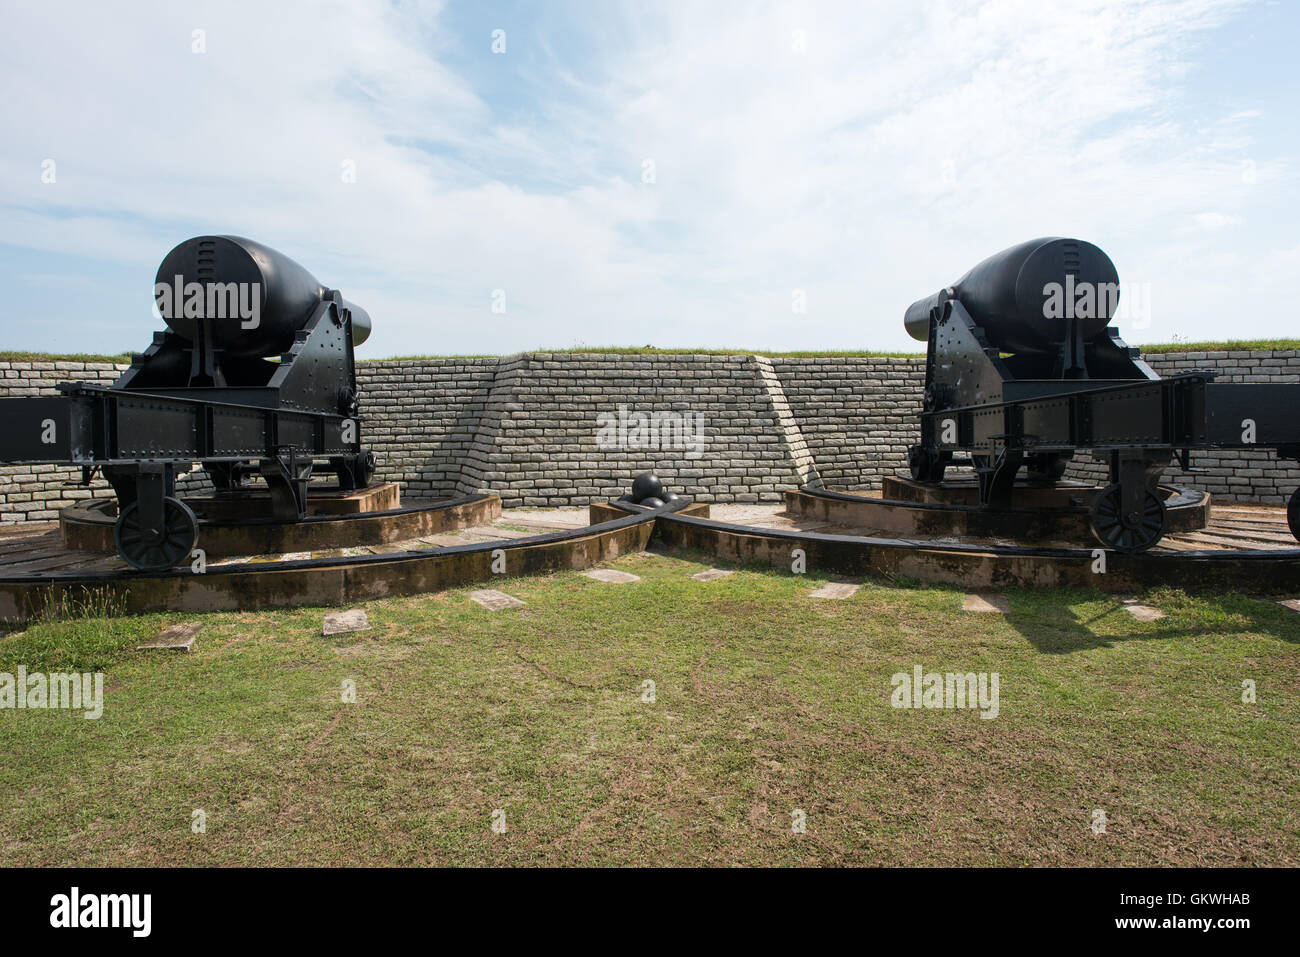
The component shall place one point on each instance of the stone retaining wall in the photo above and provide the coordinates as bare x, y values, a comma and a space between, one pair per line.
37, 492
569, 429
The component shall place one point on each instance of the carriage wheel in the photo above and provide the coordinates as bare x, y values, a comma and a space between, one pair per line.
158, 549
1128, 533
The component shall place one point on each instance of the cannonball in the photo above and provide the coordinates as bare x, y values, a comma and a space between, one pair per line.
646, 485
652, 502
669, 497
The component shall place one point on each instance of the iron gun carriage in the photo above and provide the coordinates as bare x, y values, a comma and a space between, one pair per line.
1023, 369
255, 374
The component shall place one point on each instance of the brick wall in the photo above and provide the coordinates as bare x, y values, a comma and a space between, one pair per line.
858, 415
528, 426
539, 440
421, 418
37, 492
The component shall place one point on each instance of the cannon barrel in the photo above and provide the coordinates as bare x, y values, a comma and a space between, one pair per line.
1024, 297
252, 298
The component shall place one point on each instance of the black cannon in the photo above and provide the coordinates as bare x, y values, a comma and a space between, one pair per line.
255, 374
1024, 369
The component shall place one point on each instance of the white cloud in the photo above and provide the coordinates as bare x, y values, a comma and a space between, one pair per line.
1215, 220
902, 146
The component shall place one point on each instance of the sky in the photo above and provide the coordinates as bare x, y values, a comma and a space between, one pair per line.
487, 178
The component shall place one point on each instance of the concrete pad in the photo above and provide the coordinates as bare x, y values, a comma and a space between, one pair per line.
547, 520
386, 548
494, 600
338, 622
173, 637
835, 590
611, 576
442, 541
482, 534
711, 574
1142, 612
1291, 603
986, 603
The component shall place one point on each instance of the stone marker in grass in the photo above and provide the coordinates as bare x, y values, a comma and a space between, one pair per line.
835, 590
173, 637
494, 600
711, 574
611, 576
986, 603
338, 622
1142, 612
1291, 603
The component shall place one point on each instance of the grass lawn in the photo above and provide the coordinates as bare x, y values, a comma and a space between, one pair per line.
767, 702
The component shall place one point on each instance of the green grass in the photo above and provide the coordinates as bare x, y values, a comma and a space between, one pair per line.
767, 702
1234, 345
62, 356
654, 351
1226, 346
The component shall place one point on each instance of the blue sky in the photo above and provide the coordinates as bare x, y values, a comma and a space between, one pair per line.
851, 156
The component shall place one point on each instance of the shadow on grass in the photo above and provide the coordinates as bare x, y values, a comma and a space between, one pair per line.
1048, 621
1065, 631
